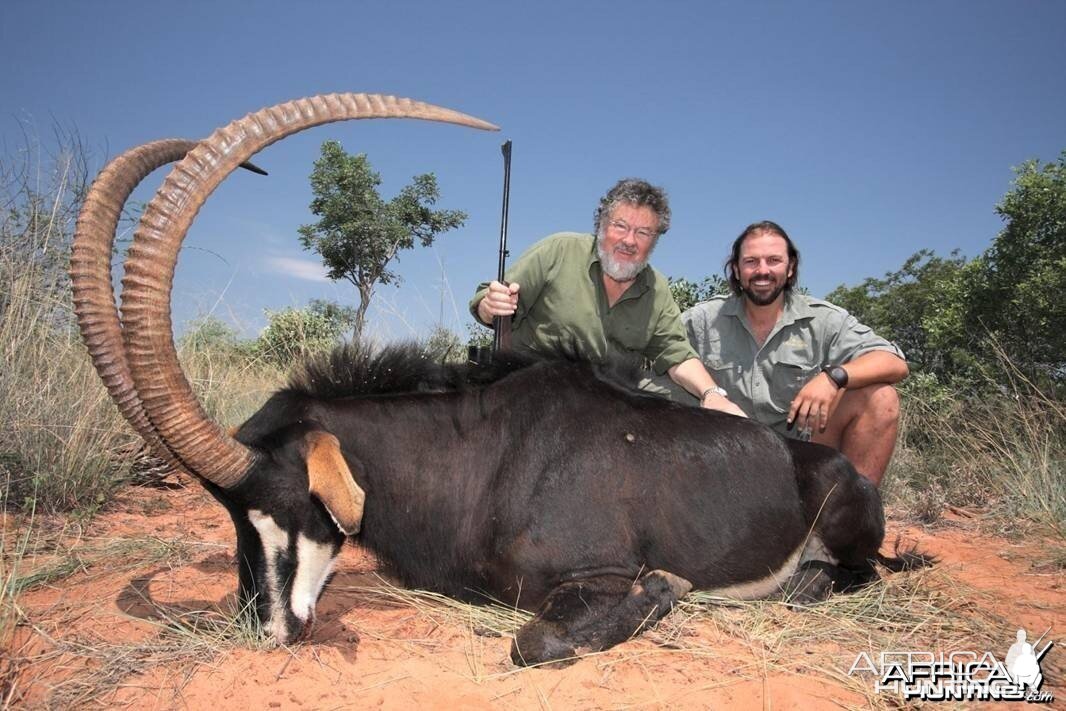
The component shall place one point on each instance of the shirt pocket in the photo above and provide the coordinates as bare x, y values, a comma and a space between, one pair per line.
791, 371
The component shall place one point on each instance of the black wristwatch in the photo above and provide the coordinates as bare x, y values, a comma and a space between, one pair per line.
837, 374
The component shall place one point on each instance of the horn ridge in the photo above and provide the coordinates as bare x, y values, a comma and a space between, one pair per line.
90, 272
169, 401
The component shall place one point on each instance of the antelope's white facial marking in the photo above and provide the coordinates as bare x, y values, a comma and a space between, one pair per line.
314, 562
275, 543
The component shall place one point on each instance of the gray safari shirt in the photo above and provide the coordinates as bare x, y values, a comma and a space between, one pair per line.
763, 380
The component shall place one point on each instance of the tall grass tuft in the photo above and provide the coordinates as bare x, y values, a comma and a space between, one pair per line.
60, 430
231, 385
1002, 452
63, 445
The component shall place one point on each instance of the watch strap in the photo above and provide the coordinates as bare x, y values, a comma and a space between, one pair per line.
837, 374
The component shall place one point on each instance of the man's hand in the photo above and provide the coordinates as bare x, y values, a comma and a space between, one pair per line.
714, 401
814, 404
500, 300
693, 376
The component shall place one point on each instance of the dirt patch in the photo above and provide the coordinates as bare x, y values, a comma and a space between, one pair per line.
146, 619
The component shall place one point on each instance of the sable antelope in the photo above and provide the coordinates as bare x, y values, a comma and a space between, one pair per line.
545, 484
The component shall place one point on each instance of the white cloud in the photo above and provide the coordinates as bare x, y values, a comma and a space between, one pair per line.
297, 268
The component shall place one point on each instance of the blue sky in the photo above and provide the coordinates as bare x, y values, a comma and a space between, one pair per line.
868, 130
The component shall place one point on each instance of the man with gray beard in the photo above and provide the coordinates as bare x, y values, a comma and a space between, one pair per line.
598, 295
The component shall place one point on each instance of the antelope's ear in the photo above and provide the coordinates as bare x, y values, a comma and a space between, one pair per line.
332, 482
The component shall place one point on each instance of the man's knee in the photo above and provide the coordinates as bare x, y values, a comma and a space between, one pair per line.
882, 402
872, 408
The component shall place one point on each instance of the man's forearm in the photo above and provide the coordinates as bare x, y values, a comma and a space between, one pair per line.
692, 376
875, 367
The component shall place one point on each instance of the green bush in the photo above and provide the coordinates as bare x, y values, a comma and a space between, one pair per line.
444, 346
293, 333
689, 293
210, 334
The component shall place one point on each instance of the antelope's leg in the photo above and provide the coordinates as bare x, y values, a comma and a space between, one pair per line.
593, 614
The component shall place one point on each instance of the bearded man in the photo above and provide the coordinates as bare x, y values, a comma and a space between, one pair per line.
598, 295
803, 366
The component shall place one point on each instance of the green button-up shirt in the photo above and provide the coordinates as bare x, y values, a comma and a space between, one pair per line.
562, 306
763, 380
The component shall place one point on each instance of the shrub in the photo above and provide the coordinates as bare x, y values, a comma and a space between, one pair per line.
444, 346
294, 333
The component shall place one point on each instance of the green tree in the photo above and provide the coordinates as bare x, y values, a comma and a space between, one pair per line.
956, 318
689, 293
478, 337
1017, 291
901, 305
358, 233
443, 345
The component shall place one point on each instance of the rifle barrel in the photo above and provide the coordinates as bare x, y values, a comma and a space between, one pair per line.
502, 324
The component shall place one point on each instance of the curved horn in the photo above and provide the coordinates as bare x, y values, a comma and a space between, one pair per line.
90, 274
171, 406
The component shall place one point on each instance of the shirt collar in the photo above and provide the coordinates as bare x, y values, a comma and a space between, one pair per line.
795, 309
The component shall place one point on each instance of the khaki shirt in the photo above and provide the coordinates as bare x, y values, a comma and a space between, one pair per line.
562, 307
810, 335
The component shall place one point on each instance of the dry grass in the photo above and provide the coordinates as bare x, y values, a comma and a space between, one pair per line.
87, 671
918, 609
1001, 457
757, 640
84, 668
231, 389
97, 556
57, 440
492, 619
32, 556
924, 609
57, 451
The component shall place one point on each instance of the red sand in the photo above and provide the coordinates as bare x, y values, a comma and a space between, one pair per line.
368, 654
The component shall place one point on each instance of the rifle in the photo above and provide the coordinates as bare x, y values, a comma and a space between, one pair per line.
501, 340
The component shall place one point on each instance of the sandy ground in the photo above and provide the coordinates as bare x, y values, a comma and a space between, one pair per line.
93, 637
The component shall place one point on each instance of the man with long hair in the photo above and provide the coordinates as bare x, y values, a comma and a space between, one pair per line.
803, 366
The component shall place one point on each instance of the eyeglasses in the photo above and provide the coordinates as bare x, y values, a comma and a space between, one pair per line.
622, 228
